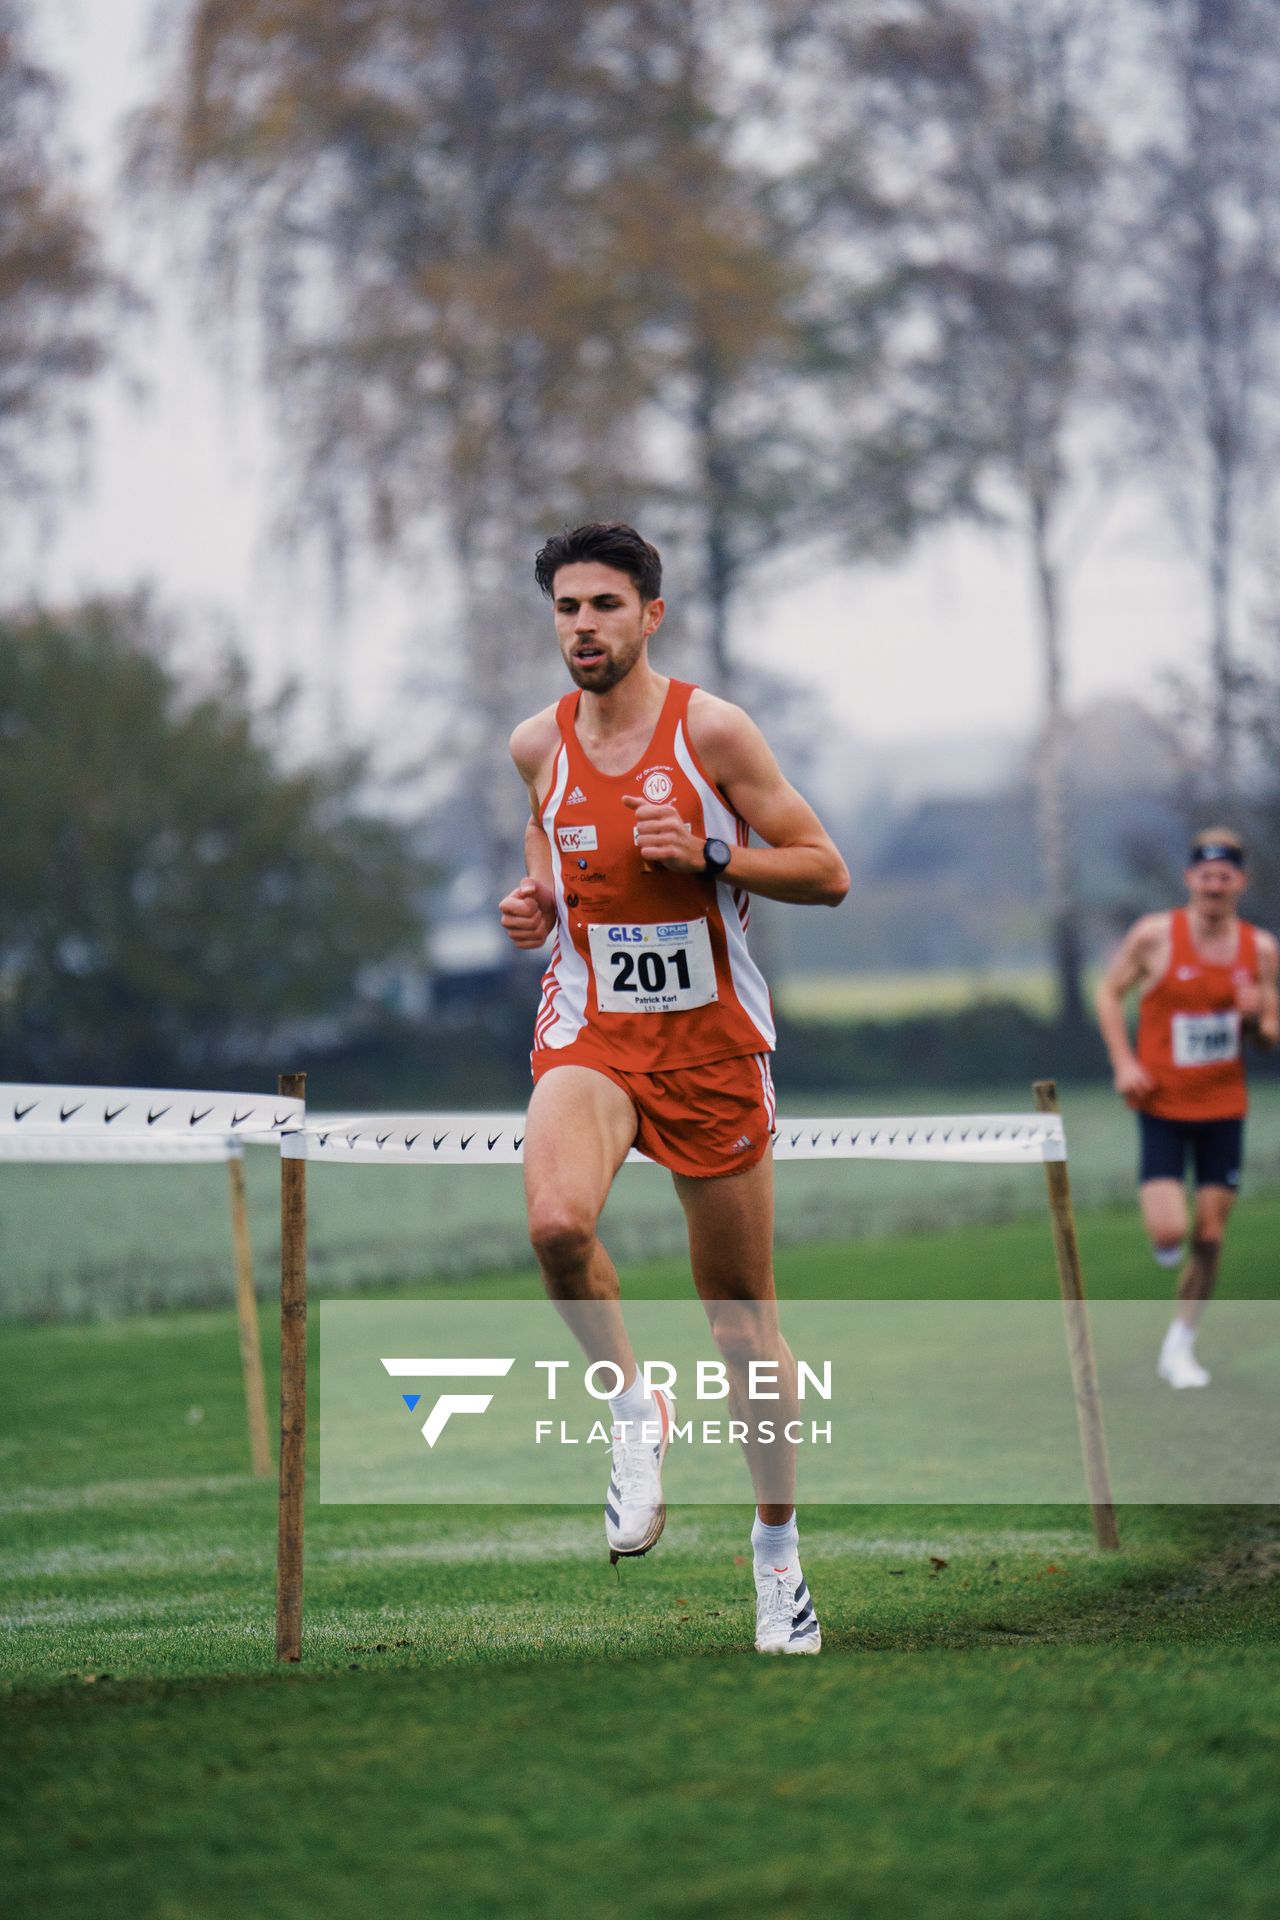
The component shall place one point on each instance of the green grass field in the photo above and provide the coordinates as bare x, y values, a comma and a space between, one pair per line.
489, 1721
894, 996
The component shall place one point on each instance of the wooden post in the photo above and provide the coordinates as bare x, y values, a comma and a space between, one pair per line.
1084, 1375
293, 1382
255, 1392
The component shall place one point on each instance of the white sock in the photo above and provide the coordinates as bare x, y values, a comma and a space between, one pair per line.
1170, 1257
776, 1546
633, 1404
1179, 1335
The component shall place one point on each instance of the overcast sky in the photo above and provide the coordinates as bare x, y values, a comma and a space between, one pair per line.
941, 645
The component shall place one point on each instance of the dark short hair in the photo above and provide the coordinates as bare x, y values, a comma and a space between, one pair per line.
611, 542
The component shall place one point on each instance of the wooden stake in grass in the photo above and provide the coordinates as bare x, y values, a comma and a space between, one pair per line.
1084, 1373
293, 1380
255, 1392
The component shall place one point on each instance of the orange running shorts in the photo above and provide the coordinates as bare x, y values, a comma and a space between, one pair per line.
703, 1121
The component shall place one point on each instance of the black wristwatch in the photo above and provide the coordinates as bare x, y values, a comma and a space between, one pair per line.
716, 855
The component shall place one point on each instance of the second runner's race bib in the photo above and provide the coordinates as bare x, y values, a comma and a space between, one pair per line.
1203, 1039
662, 967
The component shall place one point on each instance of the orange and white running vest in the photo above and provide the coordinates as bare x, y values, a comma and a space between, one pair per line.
650, 968
1189, 1030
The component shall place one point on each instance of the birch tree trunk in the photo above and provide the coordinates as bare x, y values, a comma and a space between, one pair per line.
1052, 796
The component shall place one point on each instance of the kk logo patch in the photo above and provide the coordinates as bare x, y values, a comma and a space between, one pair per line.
576, 839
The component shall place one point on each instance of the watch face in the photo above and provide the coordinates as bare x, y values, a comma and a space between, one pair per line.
716, 855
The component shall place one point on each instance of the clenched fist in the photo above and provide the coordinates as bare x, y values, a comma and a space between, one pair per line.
1133, 1081
663, 838
1248, 1000
528, 913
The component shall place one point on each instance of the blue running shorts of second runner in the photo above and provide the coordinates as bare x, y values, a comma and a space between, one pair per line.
1216, 1148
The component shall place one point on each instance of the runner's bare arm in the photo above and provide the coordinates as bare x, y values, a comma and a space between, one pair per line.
1260, 1002
800, 863
1133, 965
528, 913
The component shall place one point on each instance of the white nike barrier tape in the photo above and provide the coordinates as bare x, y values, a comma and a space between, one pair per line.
124, 1124
496, 1139
125, 1149
131, 1126
146, 1111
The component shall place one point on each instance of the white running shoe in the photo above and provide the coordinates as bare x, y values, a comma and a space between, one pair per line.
634, 1511
785, 1619
1177, 1363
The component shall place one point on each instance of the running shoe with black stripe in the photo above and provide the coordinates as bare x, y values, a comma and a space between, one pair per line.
785, 1619
634, 1512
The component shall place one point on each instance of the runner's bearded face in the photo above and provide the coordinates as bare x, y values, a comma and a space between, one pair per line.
1215, 886
601, 623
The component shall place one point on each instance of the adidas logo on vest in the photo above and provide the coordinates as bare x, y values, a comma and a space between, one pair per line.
576, 799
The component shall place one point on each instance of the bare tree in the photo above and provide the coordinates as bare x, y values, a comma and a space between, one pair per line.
702, 249
1199, 374
976, 194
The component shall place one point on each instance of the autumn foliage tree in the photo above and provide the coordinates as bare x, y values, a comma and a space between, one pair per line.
55, 293
412, 189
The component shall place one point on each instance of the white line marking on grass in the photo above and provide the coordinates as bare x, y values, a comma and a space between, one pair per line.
559, 1543
833, 1545
81, 1559
570, 1541
61, 1612
108, 1493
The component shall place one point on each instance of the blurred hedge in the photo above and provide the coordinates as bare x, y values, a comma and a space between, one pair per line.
989, 1042
478, 1065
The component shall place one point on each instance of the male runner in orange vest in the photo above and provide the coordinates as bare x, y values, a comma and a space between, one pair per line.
655, 1026
1206, 978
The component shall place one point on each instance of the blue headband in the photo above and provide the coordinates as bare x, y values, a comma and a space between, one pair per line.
1213, 850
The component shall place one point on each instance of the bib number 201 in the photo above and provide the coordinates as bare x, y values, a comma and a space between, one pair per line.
647, 972
665, 967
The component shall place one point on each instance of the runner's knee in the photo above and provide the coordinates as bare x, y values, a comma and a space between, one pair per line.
561, 1235
739, 1331
1201, 1274
1211, 1218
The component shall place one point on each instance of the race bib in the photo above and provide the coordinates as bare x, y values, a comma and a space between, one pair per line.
1204, 1039
664, 967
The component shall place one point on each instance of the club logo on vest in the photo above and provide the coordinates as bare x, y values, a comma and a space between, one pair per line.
576, 839
658, 785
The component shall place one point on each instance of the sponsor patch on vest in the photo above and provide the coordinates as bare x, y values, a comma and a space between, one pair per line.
576, 839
